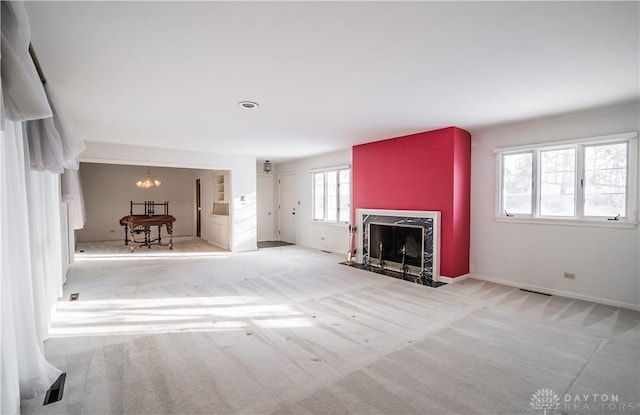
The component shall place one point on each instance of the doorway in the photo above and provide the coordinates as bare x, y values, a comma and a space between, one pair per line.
264, 200
198, 210
287, 207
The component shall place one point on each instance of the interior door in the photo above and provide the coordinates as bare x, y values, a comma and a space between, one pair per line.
198, 210
287, 203
264, 202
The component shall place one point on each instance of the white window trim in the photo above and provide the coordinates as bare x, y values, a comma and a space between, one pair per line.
322, 169
313, 196
632, 183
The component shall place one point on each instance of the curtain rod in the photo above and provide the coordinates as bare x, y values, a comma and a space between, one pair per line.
36, 62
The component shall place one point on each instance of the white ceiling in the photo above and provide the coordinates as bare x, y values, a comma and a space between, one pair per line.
327, 75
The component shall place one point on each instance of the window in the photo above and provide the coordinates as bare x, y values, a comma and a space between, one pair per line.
332, 195
516, 192
605, 181
592, 179
557, 182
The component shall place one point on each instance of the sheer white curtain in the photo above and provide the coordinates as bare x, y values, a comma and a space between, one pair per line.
23, 288
53, 143
54, 146
37, 143
22, 94
45, 245
71, 189
9, 382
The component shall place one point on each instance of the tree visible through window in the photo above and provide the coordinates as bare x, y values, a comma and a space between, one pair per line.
516, 183
558, 182
605, 184
332, 195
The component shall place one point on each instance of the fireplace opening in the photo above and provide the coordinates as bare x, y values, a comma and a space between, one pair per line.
398, 247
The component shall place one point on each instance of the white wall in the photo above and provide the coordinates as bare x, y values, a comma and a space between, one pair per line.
334, 238
242, 173
243, 202
606, 261
108, 189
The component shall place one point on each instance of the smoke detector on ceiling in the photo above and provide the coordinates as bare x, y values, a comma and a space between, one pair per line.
248, 104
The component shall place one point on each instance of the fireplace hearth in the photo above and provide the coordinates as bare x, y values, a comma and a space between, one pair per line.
394, 274
399, 243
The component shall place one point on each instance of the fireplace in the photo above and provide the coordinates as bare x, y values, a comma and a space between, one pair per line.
403, 241
397, 247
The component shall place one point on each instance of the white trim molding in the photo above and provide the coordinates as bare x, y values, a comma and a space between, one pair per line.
588, 140
321, 169
614, 224
625, 220
452, 280
561, 293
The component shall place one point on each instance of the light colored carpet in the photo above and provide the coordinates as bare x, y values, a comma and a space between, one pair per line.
289, 330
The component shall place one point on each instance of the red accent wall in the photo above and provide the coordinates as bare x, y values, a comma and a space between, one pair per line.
423, 171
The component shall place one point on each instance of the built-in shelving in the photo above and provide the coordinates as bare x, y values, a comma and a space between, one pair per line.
220, 209
220, 193
219, 183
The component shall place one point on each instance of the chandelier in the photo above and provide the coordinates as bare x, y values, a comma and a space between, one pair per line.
148, 182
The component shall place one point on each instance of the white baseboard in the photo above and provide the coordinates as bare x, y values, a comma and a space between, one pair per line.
333, 251
561, 293
218, 246
450, 280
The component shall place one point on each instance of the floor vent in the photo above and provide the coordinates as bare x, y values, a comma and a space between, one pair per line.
74, 297
535, 292
54, 394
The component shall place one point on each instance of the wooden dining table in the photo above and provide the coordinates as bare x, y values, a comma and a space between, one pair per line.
137, 224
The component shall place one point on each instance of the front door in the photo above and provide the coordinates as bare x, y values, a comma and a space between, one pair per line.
287, 199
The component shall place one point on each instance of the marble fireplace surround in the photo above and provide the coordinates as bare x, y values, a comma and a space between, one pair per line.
429, 220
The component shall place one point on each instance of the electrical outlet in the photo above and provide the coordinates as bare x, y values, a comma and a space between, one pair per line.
570, 275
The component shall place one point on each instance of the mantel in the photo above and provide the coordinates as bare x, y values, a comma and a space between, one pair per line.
432, 234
